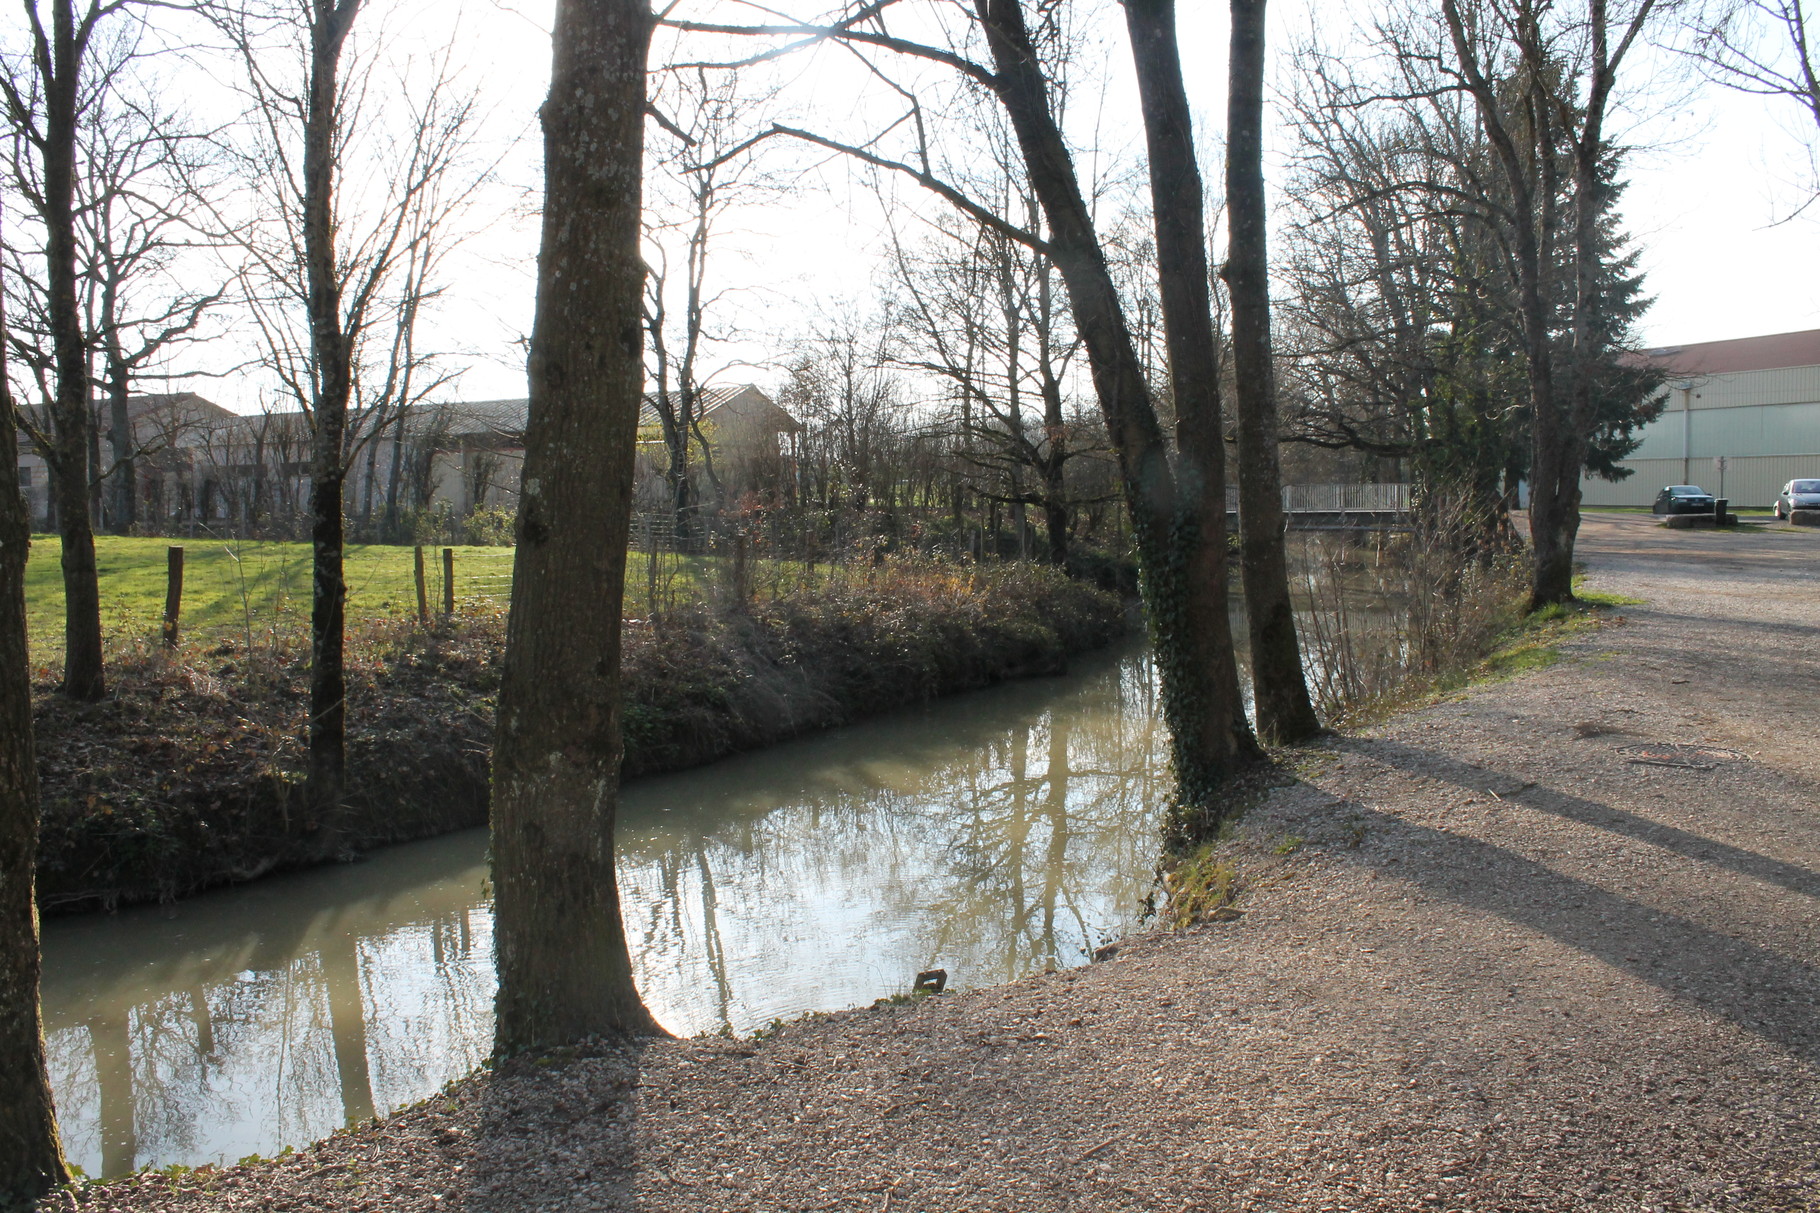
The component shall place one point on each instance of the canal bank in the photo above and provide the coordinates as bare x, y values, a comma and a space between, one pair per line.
187, 777
1494, 957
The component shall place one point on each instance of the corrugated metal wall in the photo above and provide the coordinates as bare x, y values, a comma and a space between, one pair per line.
1741, 389
1751, 481
1761, 421
1771, 429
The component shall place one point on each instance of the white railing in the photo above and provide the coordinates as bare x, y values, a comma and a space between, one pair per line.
1337, 498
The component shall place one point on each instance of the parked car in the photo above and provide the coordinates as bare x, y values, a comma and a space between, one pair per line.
1683, 499
1798, 495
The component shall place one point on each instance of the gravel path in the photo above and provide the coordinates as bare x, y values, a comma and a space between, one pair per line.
1506, 968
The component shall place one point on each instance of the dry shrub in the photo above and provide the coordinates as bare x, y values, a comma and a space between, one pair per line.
1415, 607
869, 637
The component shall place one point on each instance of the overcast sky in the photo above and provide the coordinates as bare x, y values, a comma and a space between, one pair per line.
1703, 208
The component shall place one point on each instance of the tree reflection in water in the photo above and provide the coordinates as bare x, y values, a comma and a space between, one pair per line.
991, 835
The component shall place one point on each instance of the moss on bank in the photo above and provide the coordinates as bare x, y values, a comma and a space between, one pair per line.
186, 777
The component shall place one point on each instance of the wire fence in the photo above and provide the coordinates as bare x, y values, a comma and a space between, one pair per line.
233, 594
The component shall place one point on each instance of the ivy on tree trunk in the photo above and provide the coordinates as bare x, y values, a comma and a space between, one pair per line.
1176, 500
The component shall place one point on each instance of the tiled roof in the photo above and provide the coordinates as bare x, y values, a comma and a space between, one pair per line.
508, 416
706, 401
1772, 352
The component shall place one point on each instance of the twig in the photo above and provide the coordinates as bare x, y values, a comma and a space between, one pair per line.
1091, 1151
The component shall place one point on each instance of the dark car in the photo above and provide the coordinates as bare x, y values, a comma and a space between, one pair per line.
1798, 495
1683, 499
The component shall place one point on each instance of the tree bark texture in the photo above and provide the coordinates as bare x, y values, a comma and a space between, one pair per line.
564, 968
59, 63
1177, 523
31, 1153
327, 775
1186, 297
1279, 688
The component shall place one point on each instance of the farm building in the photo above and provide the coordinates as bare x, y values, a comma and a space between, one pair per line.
201, 466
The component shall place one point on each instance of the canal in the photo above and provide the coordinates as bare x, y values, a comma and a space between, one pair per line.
991, 834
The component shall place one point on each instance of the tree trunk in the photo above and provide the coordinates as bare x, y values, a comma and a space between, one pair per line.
327, 772
120, 439
97, 506
390, 533
31, 1154
564, 968
1177, 515
1554, 513
366, 489
1056, 522
1279, 687
1589, 197
82, 672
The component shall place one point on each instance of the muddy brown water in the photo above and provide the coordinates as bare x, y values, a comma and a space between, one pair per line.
991, 835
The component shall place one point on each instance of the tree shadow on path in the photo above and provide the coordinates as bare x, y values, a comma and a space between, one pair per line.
1752, 985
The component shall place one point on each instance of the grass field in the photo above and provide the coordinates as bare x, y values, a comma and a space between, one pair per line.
232, 588
235, 590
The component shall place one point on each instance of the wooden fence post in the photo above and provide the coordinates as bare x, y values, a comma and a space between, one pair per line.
742, 589
448, 581
423, 594
173, 593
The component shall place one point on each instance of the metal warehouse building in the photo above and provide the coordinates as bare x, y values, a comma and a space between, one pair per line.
1742, 418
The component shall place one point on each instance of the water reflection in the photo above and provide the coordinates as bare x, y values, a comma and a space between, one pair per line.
991, 836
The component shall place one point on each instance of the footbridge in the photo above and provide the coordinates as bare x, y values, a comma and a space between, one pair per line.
1337, 507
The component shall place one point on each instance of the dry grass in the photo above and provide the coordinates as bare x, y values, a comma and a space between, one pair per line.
1407, 611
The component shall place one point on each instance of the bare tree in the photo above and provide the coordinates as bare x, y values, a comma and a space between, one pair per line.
1764, 47
842, 386
144, 175
985, 314
356, 216
1285, 713
701, 117
1421, 272
1404, 335
1175, 494
136, 199
31, 1153
1542, 81
47, 100
564, 969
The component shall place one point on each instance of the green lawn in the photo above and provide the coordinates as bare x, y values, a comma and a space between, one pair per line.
230, 586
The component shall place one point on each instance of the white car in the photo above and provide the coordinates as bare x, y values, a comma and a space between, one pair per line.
1798, 495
